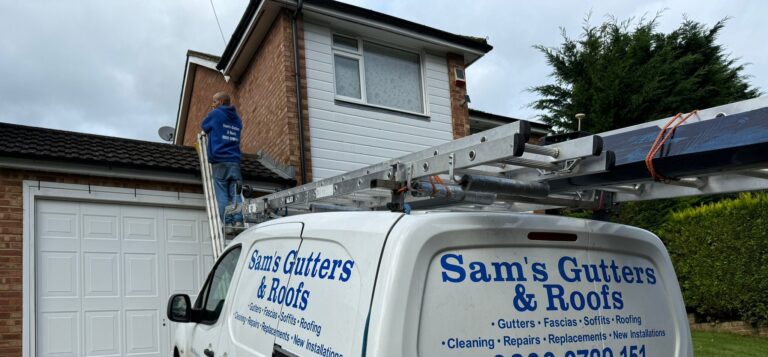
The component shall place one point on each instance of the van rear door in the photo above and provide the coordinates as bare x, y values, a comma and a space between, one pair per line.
334, 269
476, 284
260, 292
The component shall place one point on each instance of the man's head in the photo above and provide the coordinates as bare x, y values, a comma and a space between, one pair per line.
221, 98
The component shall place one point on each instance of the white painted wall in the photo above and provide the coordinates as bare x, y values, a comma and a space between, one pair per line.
346, 137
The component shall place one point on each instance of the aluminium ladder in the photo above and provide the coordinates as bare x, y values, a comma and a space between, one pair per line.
717, 150
211, 205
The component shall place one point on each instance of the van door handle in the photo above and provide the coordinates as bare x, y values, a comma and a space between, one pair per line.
208, 352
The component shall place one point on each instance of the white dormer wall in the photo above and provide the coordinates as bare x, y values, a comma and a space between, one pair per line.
345, 135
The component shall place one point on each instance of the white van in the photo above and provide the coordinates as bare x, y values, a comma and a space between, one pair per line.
437, 284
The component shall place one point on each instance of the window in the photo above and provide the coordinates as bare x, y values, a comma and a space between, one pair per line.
215, 290
377, 75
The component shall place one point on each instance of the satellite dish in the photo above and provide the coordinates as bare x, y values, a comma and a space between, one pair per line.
166, 133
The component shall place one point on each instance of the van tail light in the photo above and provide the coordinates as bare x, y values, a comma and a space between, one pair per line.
552, 236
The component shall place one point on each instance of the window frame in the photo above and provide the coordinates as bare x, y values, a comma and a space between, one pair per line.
202, 299
359, 56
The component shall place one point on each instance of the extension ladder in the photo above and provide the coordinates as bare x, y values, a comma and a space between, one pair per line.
717, 150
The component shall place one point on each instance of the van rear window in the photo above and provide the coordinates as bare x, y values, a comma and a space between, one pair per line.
544, 302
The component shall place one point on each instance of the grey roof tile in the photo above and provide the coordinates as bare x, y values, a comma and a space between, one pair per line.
30, 142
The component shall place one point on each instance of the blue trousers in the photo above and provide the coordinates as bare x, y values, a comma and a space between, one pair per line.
225, 178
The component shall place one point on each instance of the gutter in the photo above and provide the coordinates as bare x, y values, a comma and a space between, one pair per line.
297, 77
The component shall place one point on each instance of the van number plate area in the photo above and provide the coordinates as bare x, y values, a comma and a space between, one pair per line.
549, 302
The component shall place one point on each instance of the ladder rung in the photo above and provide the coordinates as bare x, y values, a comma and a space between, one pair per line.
542, 150
586, 165
692, 182
518, 161
630, 189
760, 173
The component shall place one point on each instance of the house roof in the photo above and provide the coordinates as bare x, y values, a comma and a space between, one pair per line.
27, 142
475, 43
495, 119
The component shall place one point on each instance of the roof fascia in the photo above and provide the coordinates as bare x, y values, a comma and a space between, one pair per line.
184, 96
248, 41
186, 93
233, 68
389, 28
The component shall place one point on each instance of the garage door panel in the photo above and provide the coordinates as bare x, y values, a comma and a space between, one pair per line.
104, 273
100, 227
182, 231
102, 333
207, 264
60, 332
101, 275
57, 229
140, 274
142, 332
62, 269
184, 274
57, 220
99, 222
58, 226
140, 224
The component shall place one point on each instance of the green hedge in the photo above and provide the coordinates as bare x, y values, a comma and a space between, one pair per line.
720, 253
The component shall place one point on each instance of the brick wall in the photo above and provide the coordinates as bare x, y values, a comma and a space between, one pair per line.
11, 240
207, 83
266, 98
459, 109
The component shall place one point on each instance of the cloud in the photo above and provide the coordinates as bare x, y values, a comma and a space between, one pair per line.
115, 67
105, 67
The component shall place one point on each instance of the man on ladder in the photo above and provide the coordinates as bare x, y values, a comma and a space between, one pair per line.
222, 125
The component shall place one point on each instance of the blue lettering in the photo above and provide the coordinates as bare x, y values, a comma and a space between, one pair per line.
346, 271
651, 276
276, 266
507, 274
555, 300
272, 297
290, 260
539, 272
304, 299
478, 273
252, 263
458, 269
618, 301
561, 267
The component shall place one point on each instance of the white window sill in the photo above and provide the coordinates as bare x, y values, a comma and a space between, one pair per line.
389, 109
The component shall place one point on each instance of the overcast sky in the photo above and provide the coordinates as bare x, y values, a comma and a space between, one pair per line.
115, 67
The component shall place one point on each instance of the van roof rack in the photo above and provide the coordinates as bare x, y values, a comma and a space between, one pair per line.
717, 150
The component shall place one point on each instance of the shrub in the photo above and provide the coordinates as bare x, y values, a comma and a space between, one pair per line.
720, 253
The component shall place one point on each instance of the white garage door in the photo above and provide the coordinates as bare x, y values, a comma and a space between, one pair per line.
104, 273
